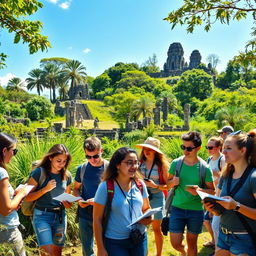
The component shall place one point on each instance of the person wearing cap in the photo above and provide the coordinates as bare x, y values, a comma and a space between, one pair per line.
154, 168
187, 209
225, 131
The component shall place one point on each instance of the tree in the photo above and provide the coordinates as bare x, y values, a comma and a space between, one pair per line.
193, 13
100, 83
15, 84
35, 80
11, 19
213, 59
150, 65
38, 108
75, 72
144, 106
115, 72
193, 83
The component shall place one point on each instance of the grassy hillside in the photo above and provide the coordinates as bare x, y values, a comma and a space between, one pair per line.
98, 109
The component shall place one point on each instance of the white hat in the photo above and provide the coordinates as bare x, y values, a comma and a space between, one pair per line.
151, 143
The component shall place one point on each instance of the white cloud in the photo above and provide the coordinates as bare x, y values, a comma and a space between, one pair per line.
53, 1
4, 79
86, 50
65, 5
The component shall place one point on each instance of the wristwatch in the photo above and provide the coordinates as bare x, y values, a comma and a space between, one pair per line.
238, 205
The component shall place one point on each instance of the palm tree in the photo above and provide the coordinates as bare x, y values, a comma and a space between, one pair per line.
35, 80
233, 115
15, 84
75, 72
143, 106
51, 74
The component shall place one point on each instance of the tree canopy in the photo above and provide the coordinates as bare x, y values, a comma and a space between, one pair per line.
12, 19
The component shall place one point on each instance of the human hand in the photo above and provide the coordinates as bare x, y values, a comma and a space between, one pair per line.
21, 191
83, 205
150, 183
192, 189
146, 221
230, 204
67, 204
50, 185
210, 208
102, 252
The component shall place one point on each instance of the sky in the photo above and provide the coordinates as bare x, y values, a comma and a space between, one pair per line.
100, 33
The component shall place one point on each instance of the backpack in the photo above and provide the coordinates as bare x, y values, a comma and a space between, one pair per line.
27, 208
219, 161
168, 202
110, 196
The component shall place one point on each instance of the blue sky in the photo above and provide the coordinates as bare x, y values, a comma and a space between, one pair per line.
100, 33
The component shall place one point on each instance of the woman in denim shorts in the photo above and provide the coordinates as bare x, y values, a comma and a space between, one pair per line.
240, 205
51, 178
154, 167
10, 199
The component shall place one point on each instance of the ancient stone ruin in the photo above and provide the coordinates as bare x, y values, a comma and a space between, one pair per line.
175, 64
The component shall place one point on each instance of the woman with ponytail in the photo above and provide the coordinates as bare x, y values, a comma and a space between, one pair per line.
238, 188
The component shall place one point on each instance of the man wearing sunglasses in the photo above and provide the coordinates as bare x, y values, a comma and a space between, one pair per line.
187, 209
86, 183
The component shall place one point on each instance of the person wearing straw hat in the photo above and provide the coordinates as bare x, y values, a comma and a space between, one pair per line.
154, 167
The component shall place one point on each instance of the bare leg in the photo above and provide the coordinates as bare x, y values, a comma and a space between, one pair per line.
57, 250
176, 242
156, 224
192, 244
221, 252
46, 250
208, 226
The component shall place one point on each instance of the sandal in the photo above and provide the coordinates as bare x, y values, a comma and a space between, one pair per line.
209, 244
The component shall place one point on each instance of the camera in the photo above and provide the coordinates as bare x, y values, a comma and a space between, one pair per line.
165, 225
136, 236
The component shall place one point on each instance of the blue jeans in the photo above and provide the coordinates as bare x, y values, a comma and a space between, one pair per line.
191, 218
125, 247
236, 244
86, 236
48, 228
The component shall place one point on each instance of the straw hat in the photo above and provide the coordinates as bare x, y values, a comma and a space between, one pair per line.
151, 143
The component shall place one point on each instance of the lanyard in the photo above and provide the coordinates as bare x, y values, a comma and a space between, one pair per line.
149, 174
129, 202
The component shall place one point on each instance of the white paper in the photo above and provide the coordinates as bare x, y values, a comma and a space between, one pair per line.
28, 187
90, 200
67, 197
203, 195
146, 214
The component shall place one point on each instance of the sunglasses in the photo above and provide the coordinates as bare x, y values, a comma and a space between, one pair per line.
209, 147
189, 149
14, 151
94, 157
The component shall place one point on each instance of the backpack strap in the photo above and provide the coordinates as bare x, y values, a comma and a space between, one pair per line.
160, 174
110, 196
202, 172
82, 171
178, 166
139, 185
219, 162
42, 177
209, 159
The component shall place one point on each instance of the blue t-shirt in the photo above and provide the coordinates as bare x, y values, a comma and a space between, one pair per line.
12, 219
244, 195
46, 200
91, 180
122, 214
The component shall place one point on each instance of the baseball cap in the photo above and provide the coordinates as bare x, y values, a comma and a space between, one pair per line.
226, 129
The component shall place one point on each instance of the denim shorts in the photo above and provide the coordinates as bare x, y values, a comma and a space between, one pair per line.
157, 201
48, 227
236, 244
125, 247
207, 216
181, 218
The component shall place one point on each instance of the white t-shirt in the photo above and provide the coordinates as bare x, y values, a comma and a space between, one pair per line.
215, 164
11, 220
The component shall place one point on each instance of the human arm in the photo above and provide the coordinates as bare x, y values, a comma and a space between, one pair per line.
7, 204
146, 207
35, 194
77, 192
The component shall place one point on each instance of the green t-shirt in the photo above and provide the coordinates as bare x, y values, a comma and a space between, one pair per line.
189, 175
